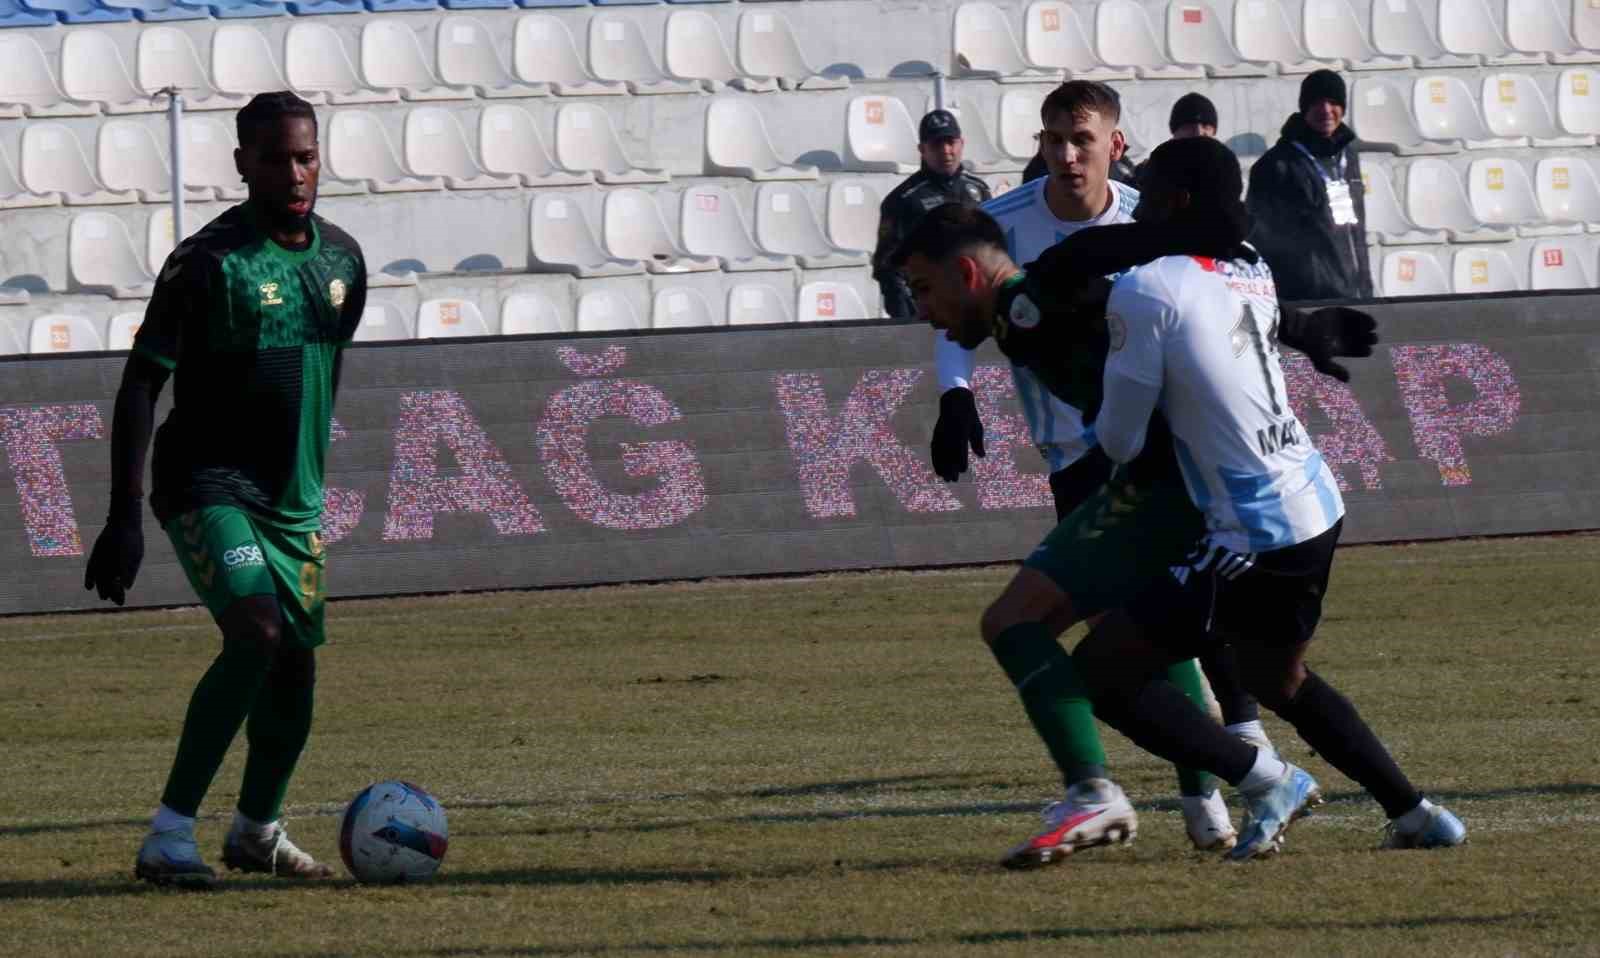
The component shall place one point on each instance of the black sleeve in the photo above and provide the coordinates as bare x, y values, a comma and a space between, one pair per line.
1283, 210
1358, 192
180, 296
888, 237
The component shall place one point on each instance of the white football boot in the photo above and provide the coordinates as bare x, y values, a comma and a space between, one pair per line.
1209, 825
272, 854
1095, 812
172, 858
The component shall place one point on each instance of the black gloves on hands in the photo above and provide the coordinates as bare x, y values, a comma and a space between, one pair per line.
958, 426
114, 562
1328, 332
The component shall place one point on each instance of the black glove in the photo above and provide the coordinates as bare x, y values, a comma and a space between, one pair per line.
958, 425
114, 561
1328, 332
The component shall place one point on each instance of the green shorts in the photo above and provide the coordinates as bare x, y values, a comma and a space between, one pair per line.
1120, 538
230, 554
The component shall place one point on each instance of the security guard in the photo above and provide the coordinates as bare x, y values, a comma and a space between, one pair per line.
941, 180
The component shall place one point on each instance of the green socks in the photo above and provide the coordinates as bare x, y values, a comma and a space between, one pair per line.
277, 731
218, 707
1054, 697
1186, 676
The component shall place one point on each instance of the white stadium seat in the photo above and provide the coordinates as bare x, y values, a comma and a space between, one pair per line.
27, 85
315, 61
1195, 35
586, 140
1436, 200
121, 330
880, 136
1398, 30
1468, 27
1538, 26
242, 64
1413, 273
129, 158
1578, 101
825, 302
1586, 24
542, 51
853, 214
435, 145
618, 52
360, 149
208, 147
160, 238
1568, 191
1558, 264
509, 144
632, 227
1513, 105
101, 258
694, 50
53, 162
980, 155
982, 45
1446, 109
682, 307
604, 309
1332, 31
381, 323
756, 304
448, 318
1124, 37
1380, 115
62, 333
712, 225
168, 58
1483, 269
469, 57
564, 242
1386, 220
768, 47
392, 58
531, 313
1261, 31
14, 195
786, 224
1054, 37
737, 144
92, 70
1502, 196
1020, 124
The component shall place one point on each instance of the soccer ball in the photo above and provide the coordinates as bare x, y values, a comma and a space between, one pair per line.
393, 832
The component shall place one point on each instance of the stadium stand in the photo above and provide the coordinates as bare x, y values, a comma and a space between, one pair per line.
880, 136
1513, 105
694, 50
1558, 264
544, 52
1568, 191
737, 144
606, 309
1054, 38
828, 301
435, 145
315, 63
102, 258
468, 57
63, 333
208, 146
1387, 223
768, 46
787, 225
678, 307
1334, 32
93, 71
587, 140
632, 228
360, 149
1413, 273
1196, 35
1262, 32
168, 58
528, 312
1437, 200
447, 318
1484, 270
712, 224
391, 56
982, 45
53, 161
509, 144
564, 242
753, 304
618, 53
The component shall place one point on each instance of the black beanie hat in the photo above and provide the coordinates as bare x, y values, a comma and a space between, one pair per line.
1321, 85
1206, 169
1192, 108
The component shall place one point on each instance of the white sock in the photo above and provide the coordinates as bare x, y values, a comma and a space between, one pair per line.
167, 820
1415, 820
1250, 731
1195, 805
1264, 773
251, 827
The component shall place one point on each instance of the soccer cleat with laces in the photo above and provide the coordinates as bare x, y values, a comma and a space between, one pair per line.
1270, 812
1443, 830
1095, 812
271, 854
1210, 828
172, 858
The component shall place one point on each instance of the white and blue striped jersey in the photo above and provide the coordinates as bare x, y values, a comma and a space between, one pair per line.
1197, 339
1030, 229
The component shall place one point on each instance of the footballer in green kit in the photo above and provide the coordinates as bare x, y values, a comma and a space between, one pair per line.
249, 317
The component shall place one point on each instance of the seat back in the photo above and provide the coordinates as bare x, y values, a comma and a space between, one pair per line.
681, 307
824, 301
208, 147
1413, 273
1435, 198
785, 222
359, 148
1332, 31
853, 214
445, 318
605, 309
1123, 35
543, 52
61, 333
314, 58
694, 49
1567, 190
92, 68
129, 158
981, 39
1446, 109
1484, 269
529, 312
167, 57
53, 160
1558, 264
392, 57
736, 136
712, 225
1513, 105
509, 142
101, 253
879, 128
632, 227
241, 61
1578, 101
1053, 36
467, 54
436, 146
1500, 192
586, 140
617, 50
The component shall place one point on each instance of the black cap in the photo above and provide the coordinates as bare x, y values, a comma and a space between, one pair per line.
1321, 85
938, 125
1192, 108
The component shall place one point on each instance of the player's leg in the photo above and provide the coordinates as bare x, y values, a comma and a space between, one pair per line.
280, 721
1241, 715
1019, 629
214, 547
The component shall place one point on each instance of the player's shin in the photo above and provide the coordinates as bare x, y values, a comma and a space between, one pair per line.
1186, 676
221, 700
1329, 723
1054, 697
277, 731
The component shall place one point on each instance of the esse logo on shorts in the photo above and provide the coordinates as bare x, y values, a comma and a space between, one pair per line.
247, 553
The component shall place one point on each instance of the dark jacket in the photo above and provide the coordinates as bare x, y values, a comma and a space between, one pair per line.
1311, 258
901, 209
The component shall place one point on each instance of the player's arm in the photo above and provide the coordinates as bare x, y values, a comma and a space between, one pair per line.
1062, 270
1322, 334
1135, 370
355, 305
119, 550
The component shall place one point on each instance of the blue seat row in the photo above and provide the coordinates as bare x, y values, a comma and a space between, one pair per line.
40, 13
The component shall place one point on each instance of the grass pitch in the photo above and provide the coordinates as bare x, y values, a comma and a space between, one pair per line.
821, 766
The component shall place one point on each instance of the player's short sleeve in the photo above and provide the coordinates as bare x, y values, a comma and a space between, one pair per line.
1137, 318
179, 296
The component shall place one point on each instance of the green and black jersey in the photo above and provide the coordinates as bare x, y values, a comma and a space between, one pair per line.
252, 332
